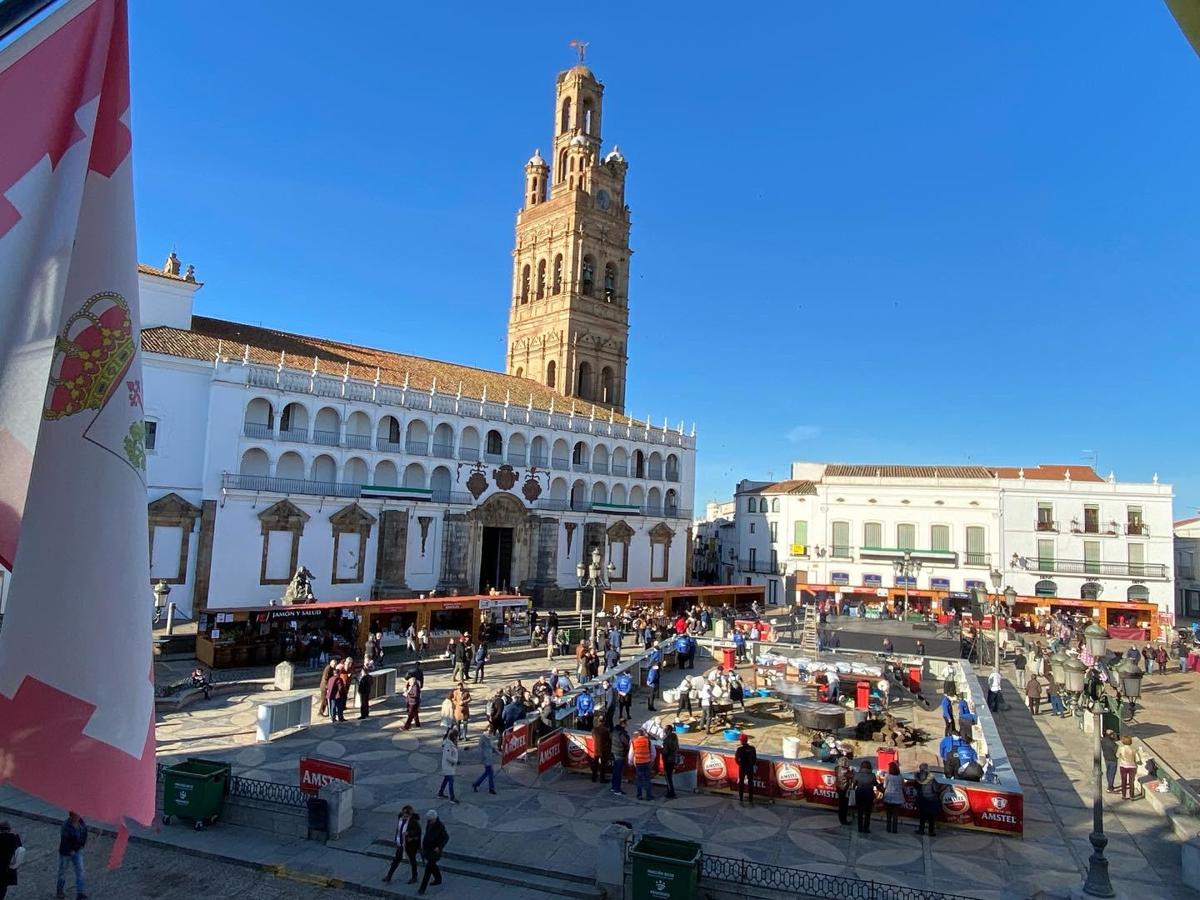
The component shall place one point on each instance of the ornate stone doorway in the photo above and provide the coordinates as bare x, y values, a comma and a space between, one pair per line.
495, 559
492, 545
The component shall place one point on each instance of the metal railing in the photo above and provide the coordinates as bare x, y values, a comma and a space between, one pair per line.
295, 435
759, 567
672, 476
417, 448
1137, 528
516, 459
580, 467
256, 430
655, 473
443, 451
490, 457
234, 481
599, 468
358, 441
455, 498
542, 462
389, 446
327, 438
267, 791
560, 462
469, 454
1096, 567
620, 468
1045, 525
802, 883
977, 559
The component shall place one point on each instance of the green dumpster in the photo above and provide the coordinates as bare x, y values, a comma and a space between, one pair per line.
665, 868
195, 789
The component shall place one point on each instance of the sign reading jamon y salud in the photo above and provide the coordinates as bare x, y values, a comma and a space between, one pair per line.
76, 723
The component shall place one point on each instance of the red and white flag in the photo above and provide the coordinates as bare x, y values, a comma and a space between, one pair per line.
76, 689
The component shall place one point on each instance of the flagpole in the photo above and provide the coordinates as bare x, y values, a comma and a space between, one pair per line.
15, 13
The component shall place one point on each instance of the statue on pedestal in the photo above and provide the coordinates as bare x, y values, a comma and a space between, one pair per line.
299, 589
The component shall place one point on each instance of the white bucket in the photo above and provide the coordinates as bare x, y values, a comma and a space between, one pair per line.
791, 747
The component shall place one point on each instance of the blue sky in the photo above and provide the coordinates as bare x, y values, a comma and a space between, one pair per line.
936, 234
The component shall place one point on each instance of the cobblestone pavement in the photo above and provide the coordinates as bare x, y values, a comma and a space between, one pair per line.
152, 872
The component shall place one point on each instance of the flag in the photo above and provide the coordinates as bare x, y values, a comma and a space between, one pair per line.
76, 688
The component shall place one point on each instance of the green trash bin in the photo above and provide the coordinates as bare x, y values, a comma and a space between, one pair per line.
665, 868
195, 789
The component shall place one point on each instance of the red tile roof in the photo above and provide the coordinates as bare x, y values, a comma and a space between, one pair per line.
785, 487
1049, 473
838, 470
266, 344
1189, 521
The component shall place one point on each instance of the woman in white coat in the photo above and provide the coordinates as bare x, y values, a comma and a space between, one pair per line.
449, 764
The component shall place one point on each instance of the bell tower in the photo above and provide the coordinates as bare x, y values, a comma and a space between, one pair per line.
568, 326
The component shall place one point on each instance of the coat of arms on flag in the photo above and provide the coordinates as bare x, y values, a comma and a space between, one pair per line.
76, 690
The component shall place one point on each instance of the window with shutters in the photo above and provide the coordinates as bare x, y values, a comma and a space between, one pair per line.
841, 540
906, 536
976, 552
939, 538
799, 538
774, 528
1091, 557
872, 535
1091, 518
1046, 555
1137, 560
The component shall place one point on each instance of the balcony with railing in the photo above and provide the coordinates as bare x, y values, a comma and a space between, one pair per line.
1041, 524
759, 567
259, 432
358, 441
655, 473
454, 498
560, 462
327, 438
469, 454
672, 474
940, 557
516, 459
599, 468
620, 468
442, 451
489, 457
1094, 528
295, 435
1096, 567
542, 462
268, 484
417, 448
1138, 528
389, 446
580, 467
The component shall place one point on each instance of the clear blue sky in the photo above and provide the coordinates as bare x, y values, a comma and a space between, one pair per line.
935, 234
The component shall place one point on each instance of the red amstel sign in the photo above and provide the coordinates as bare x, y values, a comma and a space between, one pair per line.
514, 743
550, 751
315, 773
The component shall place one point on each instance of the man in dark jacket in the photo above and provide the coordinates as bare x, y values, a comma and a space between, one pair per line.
9, 842
601, 748
364, 693
71, 841
412, 700
746, 757
620, 752
432, 845
670, 752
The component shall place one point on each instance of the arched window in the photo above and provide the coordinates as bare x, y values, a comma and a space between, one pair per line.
579, 455
585, 120
774, 504
1045, 589
762, 505
256, 463
494, 445
260, 419
551, 371
610, 282
751, 506
583, 386
556, 285
565, 122
639, 465
671, 504
607, 394
588, 276
562, 165
525, 285
541, 281
1138, 593
1090, 591
520, 372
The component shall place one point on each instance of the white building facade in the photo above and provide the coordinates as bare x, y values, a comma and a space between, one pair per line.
1051, 532
1187, 577
389, 485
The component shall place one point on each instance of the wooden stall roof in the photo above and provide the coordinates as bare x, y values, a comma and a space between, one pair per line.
707, 590
469, 599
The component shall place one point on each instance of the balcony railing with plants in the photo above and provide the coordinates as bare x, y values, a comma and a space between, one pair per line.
1096, 567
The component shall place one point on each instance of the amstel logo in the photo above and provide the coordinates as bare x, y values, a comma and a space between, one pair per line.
713, 766
788, 777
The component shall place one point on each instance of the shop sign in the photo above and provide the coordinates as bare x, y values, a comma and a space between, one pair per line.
514, 743
839, 577
972, 585
872, 581
940, 584
906, 580
550, 751
503, 603
959, 595
315, 773
295, 612
454, 606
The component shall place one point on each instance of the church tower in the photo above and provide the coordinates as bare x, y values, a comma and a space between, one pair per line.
569, 323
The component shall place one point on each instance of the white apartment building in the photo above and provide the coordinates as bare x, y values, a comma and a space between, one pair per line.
715, 555
1187, 579
1059, 535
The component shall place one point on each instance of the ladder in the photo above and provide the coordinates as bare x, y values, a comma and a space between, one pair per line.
808, 637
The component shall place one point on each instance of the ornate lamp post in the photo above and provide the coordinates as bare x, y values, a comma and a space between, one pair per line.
906, 568
595, 576
1097, 883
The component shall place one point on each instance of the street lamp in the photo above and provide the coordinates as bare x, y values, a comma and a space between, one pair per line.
906, 568
1097, 882
595, 576
1002, 605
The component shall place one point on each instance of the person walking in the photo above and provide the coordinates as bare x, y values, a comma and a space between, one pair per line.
461, 699
412, 700
458, 653
408, 842
948, 712
619, 742
1033, 693
449, 764
364, 693
11, 856
432, 845
410, 639
865, 789
422, 642
737, 690
601, 749
1019, 664
481, 658
685, 697
670, 752
995, 691
72, 839
643, 758
929, 798
339, 687
323, 691
652, 684
1128, 760
1108, 750
746, 758
843, 783
706, 698
487, 757
893, 796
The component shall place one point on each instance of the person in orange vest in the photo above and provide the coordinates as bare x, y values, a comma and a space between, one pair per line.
643, 755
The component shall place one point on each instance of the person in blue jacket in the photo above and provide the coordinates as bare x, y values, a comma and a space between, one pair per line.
948, 713
624, 685
652, 684
739, 645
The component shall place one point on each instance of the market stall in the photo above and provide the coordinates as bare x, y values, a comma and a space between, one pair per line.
669, 600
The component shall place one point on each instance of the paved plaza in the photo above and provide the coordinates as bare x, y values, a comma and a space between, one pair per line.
553, 823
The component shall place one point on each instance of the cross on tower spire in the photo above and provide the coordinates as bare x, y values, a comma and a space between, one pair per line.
580, 48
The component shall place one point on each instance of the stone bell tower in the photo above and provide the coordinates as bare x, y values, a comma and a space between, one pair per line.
568, 326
